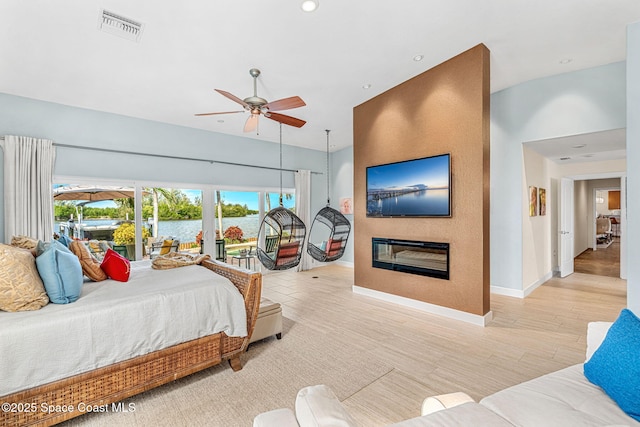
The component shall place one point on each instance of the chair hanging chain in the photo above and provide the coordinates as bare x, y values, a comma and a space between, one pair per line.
281, 204
328, 198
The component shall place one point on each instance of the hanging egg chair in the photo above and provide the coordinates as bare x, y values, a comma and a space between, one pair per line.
329, 231
282, 234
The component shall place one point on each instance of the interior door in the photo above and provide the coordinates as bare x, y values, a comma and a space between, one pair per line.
566, 227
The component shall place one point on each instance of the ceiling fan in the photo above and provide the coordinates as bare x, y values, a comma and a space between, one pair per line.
256, 106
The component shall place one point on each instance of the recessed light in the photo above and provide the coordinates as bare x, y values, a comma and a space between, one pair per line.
309, 5
367, 86
565, 61
220, 121
418, 58
579, 145
587, 155
565, 158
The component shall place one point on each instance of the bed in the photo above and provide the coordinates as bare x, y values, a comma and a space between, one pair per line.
161, 354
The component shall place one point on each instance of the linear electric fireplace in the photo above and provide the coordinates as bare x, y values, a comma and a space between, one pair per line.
424, 258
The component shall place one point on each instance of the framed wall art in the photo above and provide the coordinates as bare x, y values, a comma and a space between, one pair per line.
533, 201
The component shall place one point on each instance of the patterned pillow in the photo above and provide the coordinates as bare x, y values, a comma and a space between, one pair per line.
116, 266
25, 242
21, 288
90, 265
287, 252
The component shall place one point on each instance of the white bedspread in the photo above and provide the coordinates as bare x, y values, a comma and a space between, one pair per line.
114, 321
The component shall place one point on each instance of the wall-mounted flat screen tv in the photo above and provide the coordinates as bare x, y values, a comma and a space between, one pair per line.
412, 188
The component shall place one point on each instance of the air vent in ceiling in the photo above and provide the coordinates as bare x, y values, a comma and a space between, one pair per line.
118, 25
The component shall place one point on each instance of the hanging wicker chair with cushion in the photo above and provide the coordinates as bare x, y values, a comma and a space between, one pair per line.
290, 232
334, 229
330, 229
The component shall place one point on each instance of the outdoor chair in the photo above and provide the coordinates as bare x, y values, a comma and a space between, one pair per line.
221, 252
163, 246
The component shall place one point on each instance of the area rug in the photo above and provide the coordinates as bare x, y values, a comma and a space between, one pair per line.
273, 372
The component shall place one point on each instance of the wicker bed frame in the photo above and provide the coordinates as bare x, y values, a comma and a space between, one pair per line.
113, 383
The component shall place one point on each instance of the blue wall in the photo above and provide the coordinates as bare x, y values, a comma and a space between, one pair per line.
88, 128
342, 186
633, 173
567, 104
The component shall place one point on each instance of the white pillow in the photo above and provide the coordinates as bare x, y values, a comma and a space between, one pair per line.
596, 331
317, 406
278, 417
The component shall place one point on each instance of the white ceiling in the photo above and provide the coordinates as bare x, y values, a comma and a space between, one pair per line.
596, 146
53, 51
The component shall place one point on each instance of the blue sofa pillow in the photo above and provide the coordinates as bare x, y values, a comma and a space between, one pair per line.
615, 365
60, 272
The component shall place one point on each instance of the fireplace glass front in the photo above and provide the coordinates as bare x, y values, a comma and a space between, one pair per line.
424, 258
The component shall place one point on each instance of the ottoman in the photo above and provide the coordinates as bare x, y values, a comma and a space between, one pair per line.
269, 321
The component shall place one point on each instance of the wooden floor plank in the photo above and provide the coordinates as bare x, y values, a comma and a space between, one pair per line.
432, 354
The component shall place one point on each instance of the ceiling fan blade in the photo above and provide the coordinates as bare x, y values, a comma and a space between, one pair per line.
233, 98
222, 112
286, 103
286, 120
252, 123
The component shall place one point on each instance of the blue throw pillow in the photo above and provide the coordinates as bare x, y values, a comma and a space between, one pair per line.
65, 240
60, 272
615, 366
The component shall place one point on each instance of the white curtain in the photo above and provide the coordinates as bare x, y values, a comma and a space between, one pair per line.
28, 187
303, 210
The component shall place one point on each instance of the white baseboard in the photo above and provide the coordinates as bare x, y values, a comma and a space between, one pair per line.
426, 307
508, 292
519, 293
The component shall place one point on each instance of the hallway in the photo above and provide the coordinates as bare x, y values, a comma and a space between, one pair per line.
603, 262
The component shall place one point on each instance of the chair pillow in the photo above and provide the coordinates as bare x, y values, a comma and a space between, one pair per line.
116, 266
21, 288
615, 365
90, 265
287, 252
61, 273
333, 247
166, 247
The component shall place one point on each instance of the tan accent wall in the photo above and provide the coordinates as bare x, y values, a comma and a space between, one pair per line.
443, 110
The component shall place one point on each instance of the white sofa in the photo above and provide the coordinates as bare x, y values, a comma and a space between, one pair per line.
562, 398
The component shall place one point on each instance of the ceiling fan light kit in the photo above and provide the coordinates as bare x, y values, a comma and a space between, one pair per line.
257, 105
310, 5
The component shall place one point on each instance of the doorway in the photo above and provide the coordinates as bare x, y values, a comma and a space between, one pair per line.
599, 241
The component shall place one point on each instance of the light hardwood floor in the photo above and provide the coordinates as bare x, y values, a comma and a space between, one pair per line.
432, 355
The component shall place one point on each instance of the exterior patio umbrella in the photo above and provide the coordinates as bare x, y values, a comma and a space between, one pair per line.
92, 193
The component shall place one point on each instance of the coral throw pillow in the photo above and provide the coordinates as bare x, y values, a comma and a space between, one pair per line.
116, 266
90, 265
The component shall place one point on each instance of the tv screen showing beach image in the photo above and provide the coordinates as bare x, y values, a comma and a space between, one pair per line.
412, 188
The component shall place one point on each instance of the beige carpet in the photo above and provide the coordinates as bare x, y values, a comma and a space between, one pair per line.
274, 371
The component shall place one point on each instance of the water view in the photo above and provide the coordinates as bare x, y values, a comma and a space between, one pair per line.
418, 203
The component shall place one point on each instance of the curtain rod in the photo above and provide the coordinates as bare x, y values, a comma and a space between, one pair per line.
166, 156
